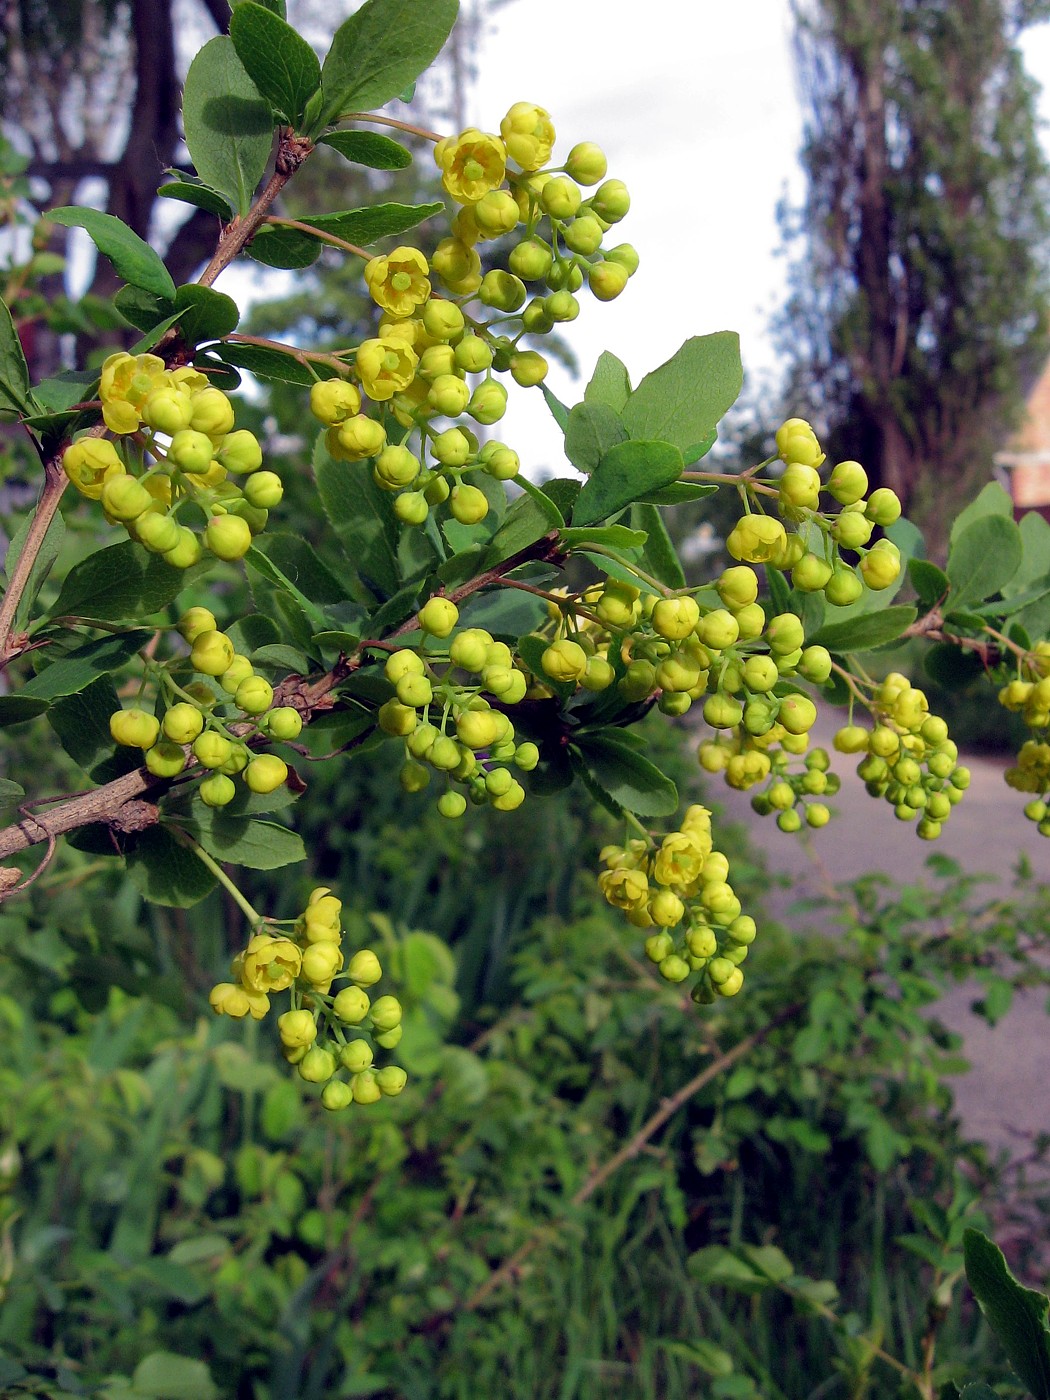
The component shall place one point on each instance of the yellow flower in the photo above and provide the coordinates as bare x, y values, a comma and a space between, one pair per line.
399, 281
270, 964
471, 164
126, 381
625, 889
90, 463
385, 366
679, 860
226, 999
528, 133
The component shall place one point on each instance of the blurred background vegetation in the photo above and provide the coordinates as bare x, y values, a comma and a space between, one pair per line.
589, 1190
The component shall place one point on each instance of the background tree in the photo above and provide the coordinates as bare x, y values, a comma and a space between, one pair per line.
918, 303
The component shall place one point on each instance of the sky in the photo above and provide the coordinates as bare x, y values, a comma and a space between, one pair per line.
695, 106
696, 110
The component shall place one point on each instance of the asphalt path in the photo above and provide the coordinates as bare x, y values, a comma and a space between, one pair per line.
1004, 1099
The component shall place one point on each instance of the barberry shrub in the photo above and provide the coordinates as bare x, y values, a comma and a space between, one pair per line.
450, 633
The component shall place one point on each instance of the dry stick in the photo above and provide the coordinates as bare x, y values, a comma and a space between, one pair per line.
630, 1149
105, 804
55, 482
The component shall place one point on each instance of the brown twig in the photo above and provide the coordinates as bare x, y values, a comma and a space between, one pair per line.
12, 644
292, 150
318, 233
117, 804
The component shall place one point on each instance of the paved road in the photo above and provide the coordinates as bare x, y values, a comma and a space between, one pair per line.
1008, 1089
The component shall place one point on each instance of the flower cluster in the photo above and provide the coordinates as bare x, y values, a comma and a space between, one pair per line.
177, 449
908, 757
680, 888
813, 551
434, 361
443, 708
1028, 694
191, 718
324, 1030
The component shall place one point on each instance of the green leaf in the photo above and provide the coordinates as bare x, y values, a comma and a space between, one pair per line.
277, 6
659, 556
205, 314
541, 498
201, 196
380, 50
132, 258
261, 564
142, 309
930, 583
119, 584
685, 398
81, 722
48, 552
298, 562
983, 557
532, 516
592, 429
1035, 558
993, 500
78, 668
16, 709
866, 631
167, 872
244, 841
610, 384
559, 412
14, 372
164, 1376
293, 248
62, 391
368, 148
229, 129
716, 1264
563, 491
677, 493
616, 536
627, 776
362, 517
11, 794
950, 666
625, 472
269, 364
977, 1390
1015, 1314
280, 63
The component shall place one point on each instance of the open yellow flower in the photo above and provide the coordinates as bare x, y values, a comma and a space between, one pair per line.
270, 964
126, 381
385, 367
471, 164
399, 282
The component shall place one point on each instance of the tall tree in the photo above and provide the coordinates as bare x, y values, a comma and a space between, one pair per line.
919, 297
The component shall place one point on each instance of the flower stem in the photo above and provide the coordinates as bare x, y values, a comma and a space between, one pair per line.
252, 915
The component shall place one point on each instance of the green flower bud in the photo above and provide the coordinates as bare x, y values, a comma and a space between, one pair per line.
218, 790
584, 235
211, 653
266, 773
468, 504
284, 723
165, 760
134, 728
263, 490
848, 483
586, 163
228, 537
